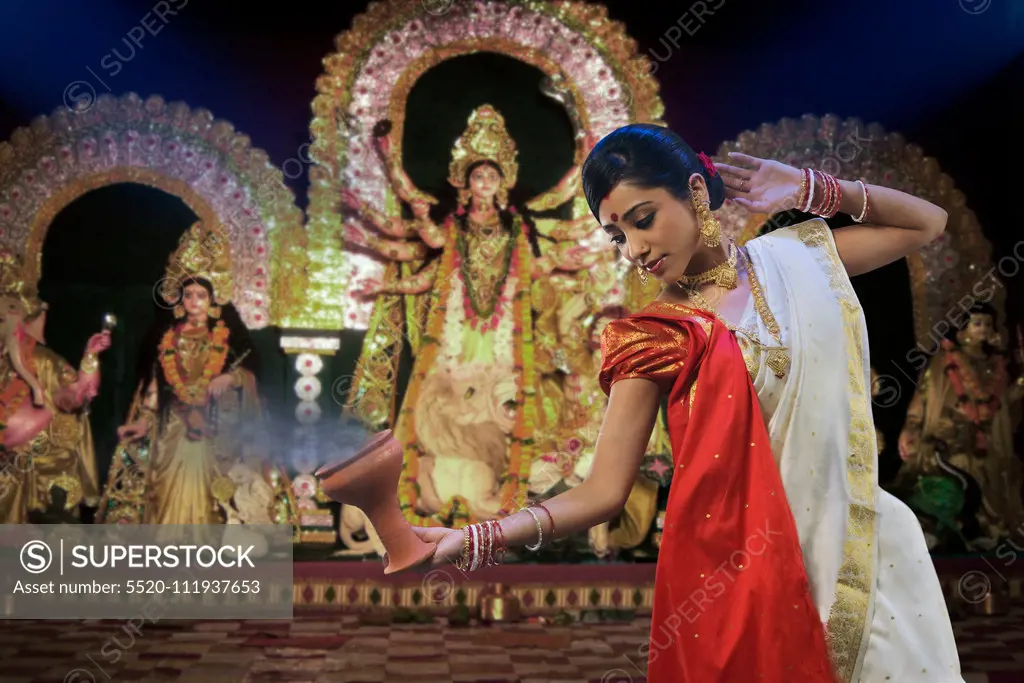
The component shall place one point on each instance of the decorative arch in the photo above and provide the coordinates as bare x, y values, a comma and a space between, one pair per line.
184, 152
379, 60
942, 272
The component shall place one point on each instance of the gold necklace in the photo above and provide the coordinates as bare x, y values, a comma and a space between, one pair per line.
723, 275
777, 358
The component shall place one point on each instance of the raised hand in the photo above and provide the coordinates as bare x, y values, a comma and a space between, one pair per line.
352, 234
761, 185
351, 200
366, 290
98, 343
420, 208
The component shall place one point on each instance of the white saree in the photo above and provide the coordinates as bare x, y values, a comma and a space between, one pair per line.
872, 577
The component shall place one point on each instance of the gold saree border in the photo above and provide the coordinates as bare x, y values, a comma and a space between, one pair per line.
851, 612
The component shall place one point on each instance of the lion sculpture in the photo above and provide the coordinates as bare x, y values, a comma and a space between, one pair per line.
464, 417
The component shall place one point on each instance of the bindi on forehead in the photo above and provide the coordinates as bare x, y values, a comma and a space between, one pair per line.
615, 218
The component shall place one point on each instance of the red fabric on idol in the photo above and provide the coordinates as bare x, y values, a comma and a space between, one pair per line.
732, 602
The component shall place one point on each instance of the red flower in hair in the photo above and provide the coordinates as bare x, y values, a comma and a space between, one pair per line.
708, 164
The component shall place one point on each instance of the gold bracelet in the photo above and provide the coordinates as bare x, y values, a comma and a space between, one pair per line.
462, 564
90, 364
540, 531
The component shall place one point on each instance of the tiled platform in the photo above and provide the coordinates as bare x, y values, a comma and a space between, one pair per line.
340, 650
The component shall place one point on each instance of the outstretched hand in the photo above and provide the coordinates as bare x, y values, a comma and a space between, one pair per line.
449, 544
761, 185
219, 385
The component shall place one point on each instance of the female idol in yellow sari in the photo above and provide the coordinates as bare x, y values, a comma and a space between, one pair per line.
190, 451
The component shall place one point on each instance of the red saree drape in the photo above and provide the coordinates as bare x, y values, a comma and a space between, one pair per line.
732, 602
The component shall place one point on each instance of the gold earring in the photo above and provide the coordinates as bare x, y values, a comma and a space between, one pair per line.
179, 311
643, 274
465, 194
214, 312
710, 228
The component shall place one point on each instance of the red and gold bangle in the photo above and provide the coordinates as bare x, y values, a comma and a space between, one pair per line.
837, 196
810, 190
817, 207
831, 195
502, 545
826, 196
489, 553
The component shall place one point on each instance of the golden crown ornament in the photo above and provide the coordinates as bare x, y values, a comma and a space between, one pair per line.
202, 252
13, 284
485, 139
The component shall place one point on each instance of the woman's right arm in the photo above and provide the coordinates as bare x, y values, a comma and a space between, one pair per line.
625, 432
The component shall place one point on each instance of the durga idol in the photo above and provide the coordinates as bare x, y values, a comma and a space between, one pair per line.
479, 405
190, 452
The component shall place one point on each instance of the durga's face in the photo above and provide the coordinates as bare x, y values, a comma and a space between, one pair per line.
484, 182
196, 301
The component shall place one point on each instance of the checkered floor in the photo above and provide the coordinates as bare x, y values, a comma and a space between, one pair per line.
341, 650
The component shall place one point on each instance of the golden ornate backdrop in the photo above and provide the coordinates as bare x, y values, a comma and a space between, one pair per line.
230, 185
369, 78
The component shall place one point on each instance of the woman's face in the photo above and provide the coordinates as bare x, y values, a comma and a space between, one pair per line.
196, 300
484, 182
652, 228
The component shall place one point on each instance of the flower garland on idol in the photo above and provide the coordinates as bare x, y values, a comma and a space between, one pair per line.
193, 395
978, 403
514, 487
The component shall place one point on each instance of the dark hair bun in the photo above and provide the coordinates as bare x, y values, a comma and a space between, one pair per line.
716, 189
650, 156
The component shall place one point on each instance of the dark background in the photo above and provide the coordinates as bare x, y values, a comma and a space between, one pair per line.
945, 73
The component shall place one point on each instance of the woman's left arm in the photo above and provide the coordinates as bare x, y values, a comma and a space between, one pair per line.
896, 225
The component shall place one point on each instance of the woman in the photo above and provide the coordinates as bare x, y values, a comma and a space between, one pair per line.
781, 559
200, 411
